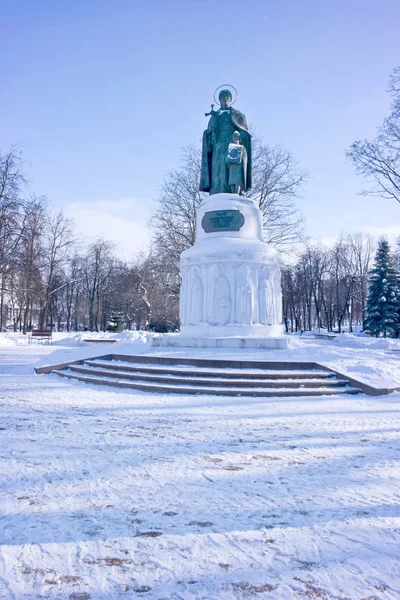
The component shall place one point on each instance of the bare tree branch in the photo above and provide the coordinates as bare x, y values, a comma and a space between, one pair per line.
378, 161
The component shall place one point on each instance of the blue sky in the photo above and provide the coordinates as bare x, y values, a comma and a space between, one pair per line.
102, 96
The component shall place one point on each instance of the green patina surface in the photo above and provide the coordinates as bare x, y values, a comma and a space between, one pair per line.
223, 124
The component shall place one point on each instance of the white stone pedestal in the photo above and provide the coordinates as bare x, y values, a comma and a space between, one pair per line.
231, 281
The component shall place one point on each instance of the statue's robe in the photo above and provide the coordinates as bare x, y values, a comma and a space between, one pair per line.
216, 140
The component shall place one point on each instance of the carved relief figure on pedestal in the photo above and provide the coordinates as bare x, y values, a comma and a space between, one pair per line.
183, 297
220, 299
262, 301
269, 296
244, 298
278, 295
196, 300
266, 305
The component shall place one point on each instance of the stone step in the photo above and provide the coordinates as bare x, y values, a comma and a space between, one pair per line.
163, 388
192, 378
213, 363
194, 371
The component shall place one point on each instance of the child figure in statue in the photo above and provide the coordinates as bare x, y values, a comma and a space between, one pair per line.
236, 162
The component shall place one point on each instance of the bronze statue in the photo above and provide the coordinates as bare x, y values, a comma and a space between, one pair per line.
219, 173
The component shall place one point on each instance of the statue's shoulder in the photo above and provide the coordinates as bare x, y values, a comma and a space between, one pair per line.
239, 118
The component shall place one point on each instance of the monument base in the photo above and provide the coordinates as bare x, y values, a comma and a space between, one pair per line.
169, 340
231, 330
231, 279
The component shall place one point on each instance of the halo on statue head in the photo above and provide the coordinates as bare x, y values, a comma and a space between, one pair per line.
225, 86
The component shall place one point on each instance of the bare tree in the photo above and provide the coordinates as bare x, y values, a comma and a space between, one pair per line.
342, 277
11, 219
174, 221
148, 275
378, 161
277, 183
327, 286
362, 248
96, 270
30, 257
292, 294
58, 241
316, 259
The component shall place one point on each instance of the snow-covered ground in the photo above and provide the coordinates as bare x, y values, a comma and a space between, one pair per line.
112, 494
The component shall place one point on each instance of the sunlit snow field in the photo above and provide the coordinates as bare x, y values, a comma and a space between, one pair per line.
112, 494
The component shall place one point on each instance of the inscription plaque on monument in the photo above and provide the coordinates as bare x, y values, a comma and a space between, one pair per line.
222, 220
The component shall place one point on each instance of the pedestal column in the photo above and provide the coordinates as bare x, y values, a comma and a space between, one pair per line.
231, 279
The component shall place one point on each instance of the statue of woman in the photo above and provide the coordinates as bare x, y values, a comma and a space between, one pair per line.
216, 139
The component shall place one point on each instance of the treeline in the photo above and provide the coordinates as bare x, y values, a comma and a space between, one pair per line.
327, 287
347, 284
50, 279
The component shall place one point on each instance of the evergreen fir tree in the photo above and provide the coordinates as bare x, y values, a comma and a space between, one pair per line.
383, 303
116, 321
396, 262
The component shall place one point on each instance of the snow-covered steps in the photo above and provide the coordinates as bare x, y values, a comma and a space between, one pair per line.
226, 373
187, 388
250, 379
217, 379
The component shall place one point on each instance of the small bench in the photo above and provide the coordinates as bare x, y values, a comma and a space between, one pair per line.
40, 335
325, 336
101, 341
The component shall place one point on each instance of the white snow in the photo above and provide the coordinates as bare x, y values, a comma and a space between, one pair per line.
108, 494
71, 346
74, 339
